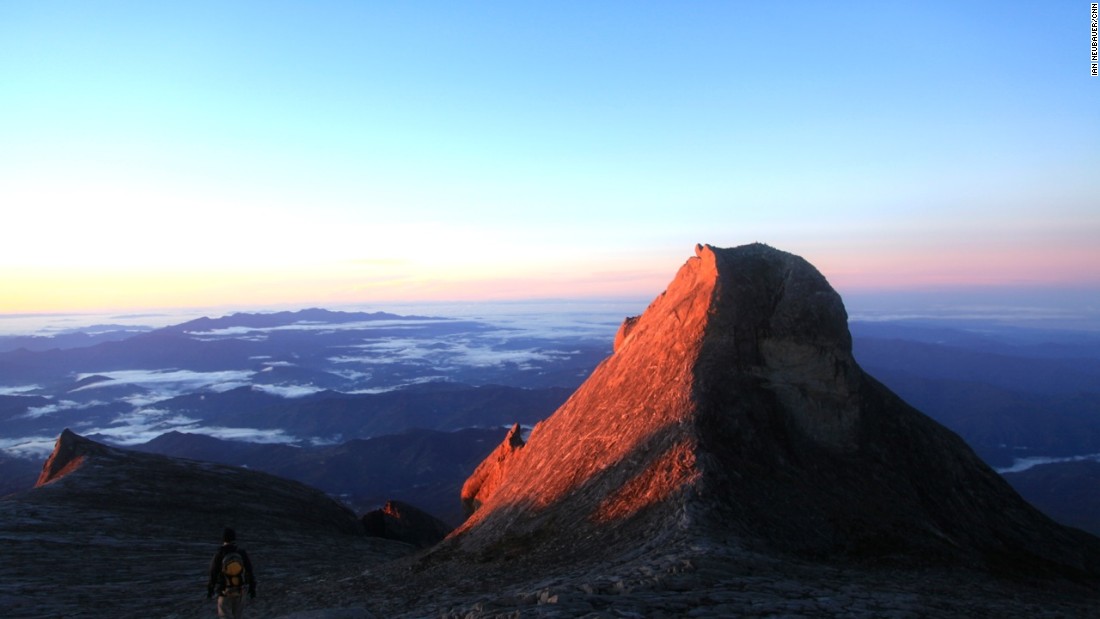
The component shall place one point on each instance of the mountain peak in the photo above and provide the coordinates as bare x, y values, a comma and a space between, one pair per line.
767, 314
69, 453
733, 409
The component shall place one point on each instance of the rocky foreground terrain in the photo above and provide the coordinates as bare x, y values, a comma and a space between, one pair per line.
116, 533
730, 459
709, 581
125, 570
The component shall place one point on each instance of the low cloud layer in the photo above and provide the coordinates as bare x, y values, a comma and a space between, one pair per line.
252, 333
447, 354
288, 391
141, 426
174, 382
32, 447
19, 389
59, 406
1022, 464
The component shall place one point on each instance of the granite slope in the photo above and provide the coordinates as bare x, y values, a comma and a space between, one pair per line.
733, 409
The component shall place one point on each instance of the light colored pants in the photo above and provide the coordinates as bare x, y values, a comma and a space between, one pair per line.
231, 606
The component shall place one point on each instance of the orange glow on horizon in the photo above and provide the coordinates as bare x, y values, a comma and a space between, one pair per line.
92, 289
50, 291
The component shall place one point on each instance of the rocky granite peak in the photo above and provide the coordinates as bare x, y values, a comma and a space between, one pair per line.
732, 410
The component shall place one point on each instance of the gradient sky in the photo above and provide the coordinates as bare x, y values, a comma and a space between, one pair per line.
260, 153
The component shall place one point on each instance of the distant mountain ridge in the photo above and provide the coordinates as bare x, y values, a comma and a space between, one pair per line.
61, 341
264, 320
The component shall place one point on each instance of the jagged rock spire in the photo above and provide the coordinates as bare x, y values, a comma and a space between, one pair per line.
488, 475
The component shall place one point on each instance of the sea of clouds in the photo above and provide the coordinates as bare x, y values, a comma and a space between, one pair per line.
123, 406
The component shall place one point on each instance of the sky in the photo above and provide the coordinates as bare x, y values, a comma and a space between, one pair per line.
181, 154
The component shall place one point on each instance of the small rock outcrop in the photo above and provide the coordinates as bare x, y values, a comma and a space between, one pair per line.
492, 471
405, 523
68, 455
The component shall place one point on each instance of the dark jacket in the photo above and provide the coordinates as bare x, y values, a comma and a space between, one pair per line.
215, 583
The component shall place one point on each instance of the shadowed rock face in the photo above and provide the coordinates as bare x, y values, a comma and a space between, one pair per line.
402, 522
732, 410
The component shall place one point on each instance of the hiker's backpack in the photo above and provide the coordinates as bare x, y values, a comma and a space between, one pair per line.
233, 570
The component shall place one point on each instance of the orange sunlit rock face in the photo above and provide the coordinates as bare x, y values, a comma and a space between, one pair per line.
630, 415
484, 481
668, 474
68, 455
57, 473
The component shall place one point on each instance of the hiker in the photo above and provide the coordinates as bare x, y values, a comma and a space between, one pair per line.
230, 573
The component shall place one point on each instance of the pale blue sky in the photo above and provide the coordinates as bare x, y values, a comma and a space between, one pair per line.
194, 153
